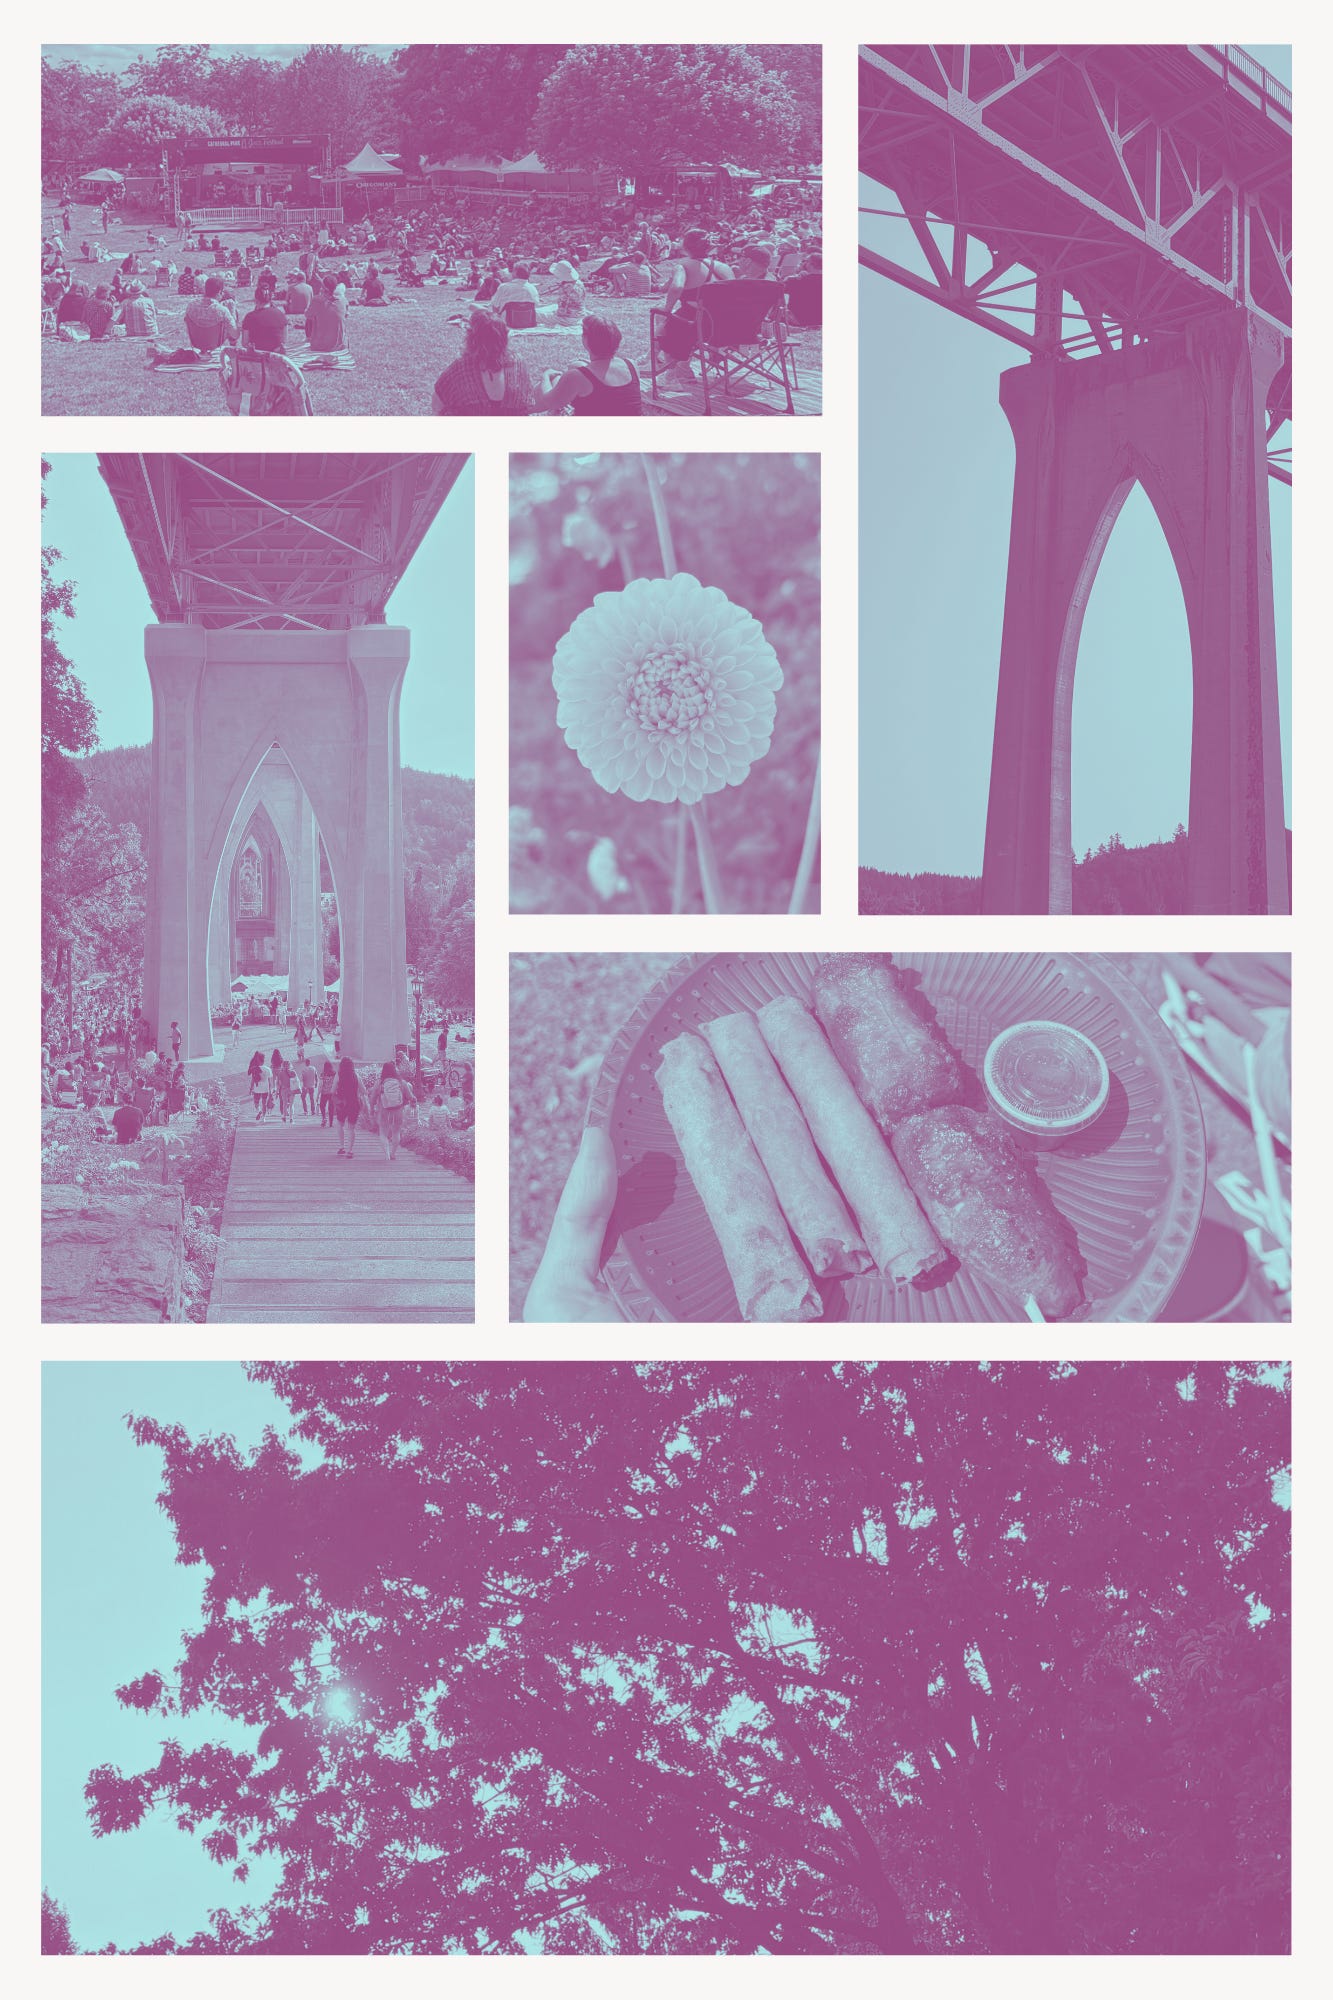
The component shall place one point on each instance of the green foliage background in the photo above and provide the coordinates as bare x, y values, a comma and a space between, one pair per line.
582, 523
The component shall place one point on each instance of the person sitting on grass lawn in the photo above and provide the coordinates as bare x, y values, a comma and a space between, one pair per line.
185, 283
569, 291
139, 314
210, 324
489, 379
634, 278
99, 313
298, 296
606, 385
265, 328
70, 309
326, 319
513, 290
372, 292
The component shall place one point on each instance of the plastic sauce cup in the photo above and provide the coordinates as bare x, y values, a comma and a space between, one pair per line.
1046, 1080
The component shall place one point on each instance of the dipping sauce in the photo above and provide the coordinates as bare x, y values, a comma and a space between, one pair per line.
1046, 1080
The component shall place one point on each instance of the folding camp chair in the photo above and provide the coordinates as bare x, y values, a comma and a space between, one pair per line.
743, 335
805, 299
255, 384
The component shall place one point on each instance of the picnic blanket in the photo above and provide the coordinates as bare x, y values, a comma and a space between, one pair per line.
206, 364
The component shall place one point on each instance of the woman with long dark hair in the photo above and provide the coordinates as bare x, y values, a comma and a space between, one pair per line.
347, 1106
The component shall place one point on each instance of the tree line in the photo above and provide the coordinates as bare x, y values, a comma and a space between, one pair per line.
617, 107
1109, 880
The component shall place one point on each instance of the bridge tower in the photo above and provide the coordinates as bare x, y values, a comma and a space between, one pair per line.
1184, 416
1122, 212
269, 575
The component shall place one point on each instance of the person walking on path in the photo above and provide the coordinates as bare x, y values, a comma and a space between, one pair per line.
347, 1105
286, 1091
175, 1041
390, 1095
258, 1085
305, 1076
328, 1084
301, 1037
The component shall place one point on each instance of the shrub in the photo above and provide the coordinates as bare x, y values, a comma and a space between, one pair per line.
455, 1150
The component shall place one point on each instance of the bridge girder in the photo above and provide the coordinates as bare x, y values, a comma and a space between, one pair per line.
1078, 198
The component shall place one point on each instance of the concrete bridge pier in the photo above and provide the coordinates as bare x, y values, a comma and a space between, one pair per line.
1184, 416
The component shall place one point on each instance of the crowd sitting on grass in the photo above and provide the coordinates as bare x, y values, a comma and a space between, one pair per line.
138, 1090
515, 261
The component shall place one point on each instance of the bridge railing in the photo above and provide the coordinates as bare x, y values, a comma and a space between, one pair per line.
1264, 80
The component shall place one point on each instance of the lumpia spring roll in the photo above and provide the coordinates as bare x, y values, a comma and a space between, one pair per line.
771, 1281
981, 1189
815, 1211
898, 1062
901, 1240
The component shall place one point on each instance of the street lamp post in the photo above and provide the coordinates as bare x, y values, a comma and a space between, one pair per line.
417, 989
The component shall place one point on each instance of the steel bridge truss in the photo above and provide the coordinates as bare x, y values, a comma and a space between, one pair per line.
274, 542
1077, 199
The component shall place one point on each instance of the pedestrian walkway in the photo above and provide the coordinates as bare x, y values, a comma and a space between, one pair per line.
308, 1236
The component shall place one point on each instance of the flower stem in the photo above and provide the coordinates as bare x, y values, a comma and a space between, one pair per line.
709, 879
661, 519
679, 871
800, 888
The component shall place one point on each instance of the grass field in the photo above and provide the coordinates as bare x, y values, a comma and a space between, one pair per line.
399, 349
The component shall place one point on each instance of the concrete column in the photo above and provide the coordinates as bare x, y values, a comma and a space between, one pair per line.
176, 951
1238, 841
284, 888
305, 974
373, 1011
219, 944
1185, 417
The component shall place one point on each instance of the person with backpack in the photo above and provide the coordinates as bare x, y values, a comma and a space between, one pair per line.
328, 1085
390, 1095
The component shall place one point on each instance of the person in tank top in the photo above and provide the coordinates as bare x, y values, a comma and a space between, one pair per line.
606, 385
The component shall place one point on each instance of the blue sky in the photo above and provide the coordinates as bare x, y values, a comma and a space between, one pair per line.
936, 485
105, 638
117, 56
114, 1604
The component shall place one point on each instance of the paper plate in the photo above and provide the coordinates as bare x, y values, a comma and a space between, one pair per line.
1132, 1187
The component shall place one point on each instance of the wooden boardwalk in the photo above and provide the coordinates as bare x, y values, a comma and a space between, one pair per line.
760, 400
307, 1236
310, 1237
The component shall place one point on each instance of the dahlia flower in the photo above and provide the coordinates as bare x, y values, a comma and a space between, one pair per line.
666, 690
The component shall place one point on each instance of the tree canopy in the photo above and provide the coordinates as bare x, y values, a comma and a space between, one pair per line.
462, 98
629, 108
733, 1658
616, 106
141, 125
69, 720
